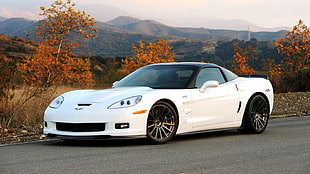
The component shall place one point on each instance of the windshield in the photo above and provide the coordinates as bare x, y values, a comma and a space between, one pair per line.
159, 77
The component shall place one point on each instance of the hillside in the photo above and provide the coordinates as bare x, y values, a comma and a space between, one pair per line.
116, 37
15, 47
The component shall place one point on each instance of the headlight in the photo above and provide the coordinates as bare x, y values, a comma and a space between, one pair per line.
57, 102
127, 102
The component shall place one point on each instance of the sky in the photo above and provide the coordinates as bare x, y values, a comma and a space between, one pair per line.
264, 13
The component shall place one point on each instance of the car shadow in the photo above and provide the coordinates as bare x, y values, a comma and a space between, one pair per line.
206, 134
141, 141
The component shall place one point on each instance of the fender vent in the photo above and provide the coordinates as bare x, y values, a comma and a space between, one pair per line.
239, 107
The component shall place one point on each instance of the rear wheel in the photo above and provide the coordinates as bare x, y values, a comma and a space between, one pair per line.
256, 115
162, 123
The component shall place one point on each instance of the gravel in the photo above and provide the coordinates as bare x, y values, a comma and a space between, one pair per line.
291, 104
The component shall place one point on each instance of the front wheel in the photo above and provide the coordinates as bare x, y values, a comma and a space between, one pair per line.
162, 123
256, 115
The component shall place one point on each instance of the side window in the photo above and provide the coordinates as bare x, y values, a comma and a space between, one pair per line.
229, 75
208, 74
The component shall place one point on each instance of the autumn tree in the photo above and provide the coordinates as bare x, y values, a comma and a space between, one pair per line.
7, 73
269, 66
60, 32
147, 53
293, 74
242, 57
295, 48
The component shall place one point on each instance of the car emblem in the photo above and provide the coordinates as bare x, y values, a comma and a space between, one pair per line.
78, 109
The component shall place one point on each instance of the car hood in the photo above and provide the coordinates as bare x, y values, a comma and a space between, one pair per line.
97, 96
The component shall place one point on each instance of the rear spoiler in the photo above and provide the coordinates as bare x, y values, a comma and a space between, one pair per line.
255, 76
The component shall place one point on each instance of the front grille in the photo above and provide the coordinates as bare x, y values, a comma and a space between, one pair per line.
80, 127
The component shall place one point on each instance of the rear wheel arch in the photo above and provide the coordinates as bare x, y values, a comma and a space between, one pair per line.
263, 95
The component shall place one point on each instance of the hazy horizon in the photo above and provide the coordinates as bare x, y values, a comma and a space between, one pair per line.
195, 13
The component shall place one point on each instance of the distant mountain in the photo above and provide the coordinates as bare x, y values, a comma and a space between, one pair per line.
234, 24
155, 28
2, 19
116, 37
16, 26
123, 20
30, 9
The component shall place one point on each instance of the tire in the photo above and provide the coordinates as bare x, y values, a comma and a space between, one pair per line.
162, 123
256, 115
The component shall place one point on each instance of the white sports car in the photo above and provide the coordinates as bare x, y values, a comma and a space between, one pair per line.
161, 100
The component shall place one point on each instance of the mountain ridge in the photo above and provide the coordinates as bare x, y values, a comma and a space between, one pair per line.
105, 13
115, 38
151, 27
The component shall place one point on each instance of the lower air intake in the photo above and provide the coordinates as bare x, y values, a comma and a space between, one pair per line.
80, 127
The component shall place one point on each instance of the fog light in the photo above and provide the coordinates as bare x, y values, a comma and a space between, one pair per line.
121, 125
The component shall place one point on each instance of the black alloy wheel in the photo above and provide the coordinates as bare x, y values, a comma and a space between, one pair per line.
162, 123
256, 115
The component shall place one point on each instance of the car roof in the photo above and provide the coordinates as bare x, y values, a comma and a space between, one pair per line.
193, 64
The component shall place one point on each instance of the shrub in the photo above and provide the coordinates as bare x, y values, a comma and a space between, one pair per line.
291, 81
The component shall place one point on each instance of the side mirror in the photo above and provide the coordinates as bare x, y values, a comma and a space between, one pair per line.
208, 84
114, 83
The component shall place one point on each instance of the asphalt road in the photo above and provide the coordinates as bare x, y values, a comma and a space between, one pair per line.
283, 148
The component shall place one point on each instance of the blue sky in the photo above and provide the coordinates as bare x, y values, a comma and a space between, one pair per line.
265, 13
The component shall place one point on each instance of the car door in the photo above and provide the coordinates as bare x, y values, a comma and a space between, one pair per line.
215, 105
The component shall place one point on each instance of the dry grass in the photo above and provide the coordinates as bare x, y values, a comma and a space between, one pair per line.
31, 114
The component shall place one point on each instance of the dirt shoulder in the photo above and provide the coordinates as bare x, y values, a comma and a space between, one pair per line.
285, 104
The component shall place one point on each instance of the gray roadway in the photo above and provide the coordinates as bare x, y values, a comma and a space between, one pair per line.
283, 148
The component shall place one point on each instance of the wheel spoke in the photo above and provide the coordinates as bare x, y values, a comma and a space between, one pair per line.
152, 131
162, 112
156, 133
258, 124
152, 125
255, 124
169, 124
167, 129
160, 133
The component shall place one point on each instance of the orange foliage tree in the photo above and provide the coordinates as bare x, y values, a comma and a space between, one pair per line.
240, 65
44, 70
60, 32
7, 73
147, 53
295, 48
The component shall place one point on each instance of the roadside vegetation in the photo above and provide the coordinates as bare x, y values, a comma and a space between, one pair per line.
29, 82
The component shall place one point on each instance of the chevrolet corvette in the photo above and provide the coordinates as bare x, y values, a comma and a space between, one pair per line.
162, 100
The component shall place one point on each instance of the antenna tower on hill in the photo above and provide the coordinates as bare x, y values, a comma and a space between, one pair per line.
249, 33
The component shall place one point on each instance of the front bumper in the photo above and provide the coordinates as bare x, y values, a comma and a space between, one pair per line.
78, 123
100, 137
